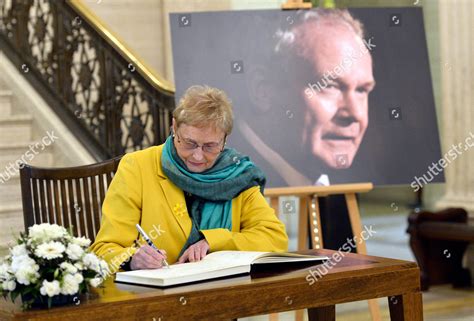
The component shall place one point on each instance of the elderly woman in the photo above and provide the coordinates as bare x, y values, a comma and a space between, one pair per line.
191, 195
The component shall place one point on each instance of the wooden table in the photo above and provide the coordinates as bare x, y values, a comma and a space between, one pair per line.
355, 277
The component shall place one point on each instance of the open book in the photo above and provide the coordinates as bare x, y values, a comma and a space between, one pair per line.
214, 265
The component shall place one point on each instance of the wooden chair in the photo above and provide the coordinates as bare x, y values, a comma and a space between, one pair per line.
71, 197
439, 241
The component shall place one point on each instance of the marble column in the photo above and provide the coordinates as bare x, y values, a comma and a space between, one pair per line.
457, 86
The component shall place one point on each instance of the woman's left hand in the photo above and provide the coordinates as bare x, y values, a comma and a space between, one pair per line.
195, 252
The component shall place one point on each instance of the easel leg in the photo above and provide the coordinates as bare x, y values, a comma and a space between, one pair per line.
275, 204
299, 315
356, 225
315, 224
303, 223
302, 237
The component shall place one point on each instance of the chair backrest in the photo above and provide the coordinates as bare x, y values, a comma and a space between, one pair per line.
71, 197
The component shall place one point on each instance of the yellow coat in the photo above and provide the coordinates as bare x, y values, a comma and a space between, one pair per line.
141, 193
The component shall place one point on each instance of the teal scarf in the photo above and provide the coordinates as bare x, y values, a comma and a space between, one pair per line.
214, 189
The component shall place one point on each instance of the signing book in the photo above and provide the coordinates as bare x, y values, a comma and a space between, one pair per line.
214, 265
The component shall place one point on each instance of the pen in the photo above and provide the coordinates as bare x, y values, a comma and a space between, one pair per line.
147, 239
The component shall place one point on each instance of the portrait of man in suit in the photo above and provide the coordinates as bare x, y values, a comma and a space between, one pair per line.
308, 110
318, 78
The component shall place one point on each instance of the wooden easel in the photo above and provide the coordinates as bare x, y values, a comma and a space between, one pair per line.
309, 217
296, 4
309, 205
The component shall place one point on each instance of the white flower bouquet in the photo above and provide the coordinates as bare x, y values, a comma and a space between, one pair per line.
48, 263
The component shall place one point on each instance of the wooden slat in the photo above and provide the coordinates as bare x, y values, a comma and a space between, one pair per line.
50, 201
26, 197
80, 209
95, 207
37, 209
102, 188
57, 207
87, 208
64, 204
42, 195
72, 209
109, 178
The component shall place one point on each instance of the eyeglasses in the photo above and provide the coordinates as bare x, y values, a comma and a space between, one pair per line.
211, 148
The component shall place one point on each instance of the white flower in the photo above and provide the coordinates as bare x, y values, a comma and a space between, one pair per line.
46, 232
27, 274
81, 241
50, 250
104, 269
68, 267
95, 282
79, 278
4, 268
25, 269
92, 262
50, 288
74, 251
9, 285
19, 261
19, 250
79, 266
69, 285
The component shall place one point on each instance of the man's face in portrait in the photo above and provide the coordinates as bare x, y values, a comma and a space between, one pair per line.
336, 113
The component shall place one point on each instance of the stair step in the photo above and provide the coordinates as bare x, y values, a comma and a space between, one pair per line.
12, 222
10, 189
11, 152
5, 103
15, 128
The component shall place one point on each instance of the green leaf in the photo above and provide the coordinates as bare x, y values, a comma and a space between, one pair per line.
14, 295
29, 290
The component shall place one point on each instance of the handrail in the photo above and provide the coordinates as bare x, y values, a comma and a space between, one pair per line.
126, 52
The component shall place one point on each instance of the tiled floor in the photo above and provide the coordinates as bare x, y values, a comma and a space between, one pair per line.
440, 303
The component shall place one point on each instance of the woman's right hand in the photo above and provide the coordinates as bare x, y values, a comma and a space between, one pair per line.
147, 257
